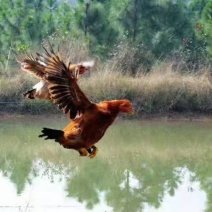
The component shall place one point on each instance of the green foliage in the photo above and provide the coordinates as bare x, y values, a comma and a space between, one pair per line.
192, 46
207, 25
26, 23
93, 18
196, 7
155, 26
163, 27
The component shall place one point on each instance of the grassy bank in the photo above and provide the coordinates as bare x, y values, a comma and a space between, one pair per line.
161, 88
160, 91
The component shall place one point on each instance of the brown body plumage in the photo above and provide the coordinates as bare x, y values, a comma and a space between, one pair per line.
89, 120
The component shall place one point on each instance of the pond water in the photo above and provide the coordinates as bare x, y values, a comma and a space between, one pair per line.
146, 166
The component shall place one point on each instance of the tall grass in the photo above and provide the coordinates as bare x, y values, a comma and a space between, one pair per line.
164, 88
161, 90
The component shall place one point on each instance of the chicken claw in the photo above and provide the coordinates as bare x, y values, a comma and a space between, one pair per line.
94, 152
83, 152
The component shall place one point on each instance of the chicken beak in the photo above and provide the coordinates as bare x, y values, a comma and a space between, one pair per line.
131, 111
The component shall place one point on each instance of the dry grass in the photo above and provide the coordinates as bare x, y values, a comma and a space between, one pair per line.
164, 88
161, 90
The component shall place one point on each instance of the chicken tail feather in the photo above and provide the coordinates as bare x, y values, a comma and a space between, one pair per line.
51, 134
30, 94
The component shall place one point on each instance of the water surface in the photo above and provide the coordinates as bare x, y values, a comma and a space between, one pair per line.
141, 166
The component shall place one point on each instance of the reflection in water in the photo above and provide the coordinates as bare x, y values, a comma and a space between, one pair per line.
47, 191
188, 196
163, 168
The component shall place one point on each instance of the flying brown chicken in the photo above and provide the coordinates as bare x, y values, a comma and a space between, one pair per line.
37, 67
89, 120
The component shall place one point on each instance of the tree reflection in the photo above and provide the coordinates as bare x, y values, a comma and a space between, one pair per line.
203, 174
17, 170
126, 186
126, 178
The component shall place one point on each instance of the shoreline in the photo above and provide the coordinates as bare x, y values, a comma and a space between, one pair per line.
172, 116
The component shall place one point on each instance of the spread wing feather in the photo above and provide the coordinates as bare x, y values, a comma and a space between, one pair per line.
32, 66
63, 87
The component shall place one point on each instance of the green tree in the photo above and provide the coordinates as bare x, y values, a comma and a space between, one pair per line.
196, 7
154, 24
26, 23
195, 44
93, 18
207, 25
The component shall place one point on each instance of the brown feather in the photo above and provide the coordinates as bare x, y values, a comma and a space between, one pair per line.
90, 120
61, 80
89, 126
58, 95
33, 67
61, 100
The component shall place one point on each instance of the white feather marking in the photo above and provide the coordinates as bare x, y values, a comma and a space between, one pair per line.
88, 64
39, 85
42, 63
